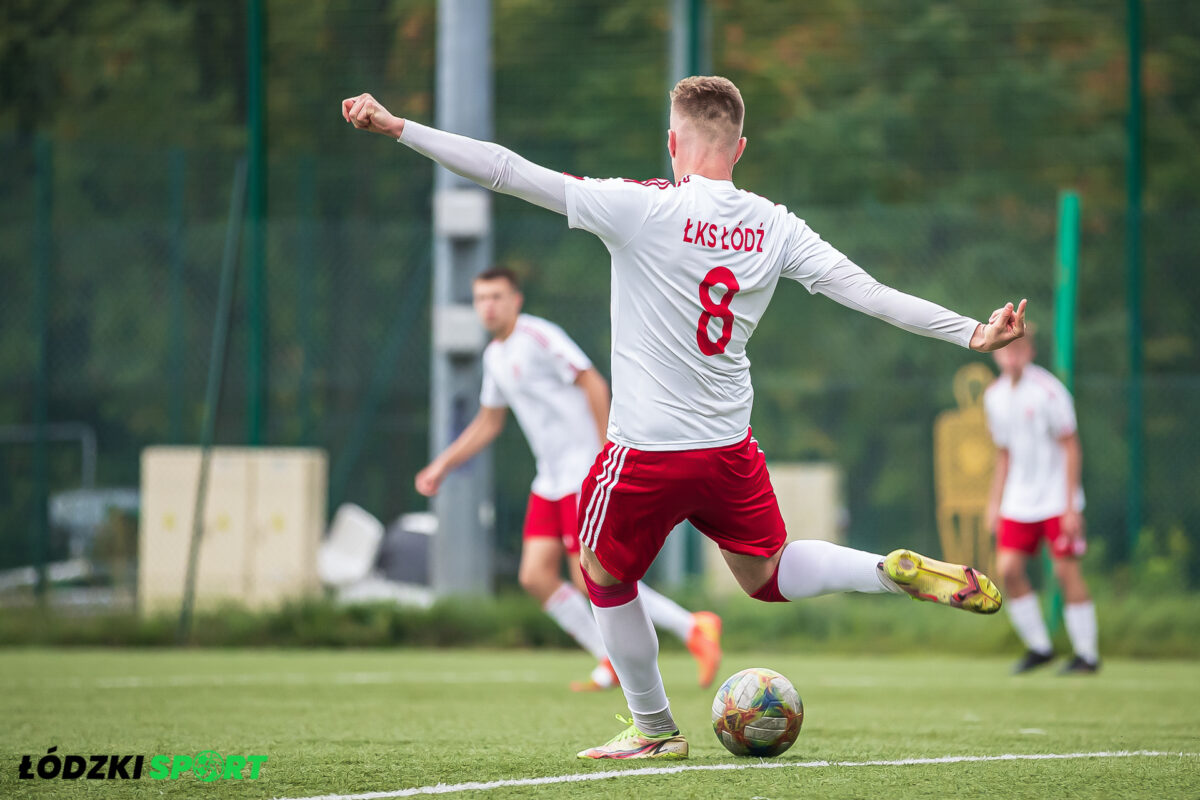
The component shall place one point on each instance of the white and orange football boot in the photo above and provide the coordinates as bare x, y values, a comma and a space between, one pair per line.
603, 677
704, 643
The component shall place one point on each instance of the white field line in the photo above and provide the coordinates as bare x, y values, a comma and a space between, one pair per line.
480, 786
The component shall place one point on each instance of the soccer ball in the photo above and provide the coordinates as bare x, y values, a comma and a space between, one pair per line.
757, 712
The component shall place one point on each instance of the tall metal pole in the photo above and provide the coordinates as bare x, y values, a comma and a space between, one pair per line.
690, 55
256, 233
462, 562
689, 45
1133, 274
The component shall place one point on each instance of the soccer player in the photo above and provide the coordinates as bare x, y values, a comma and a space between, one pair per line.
561, 403
694, 264
1036, 495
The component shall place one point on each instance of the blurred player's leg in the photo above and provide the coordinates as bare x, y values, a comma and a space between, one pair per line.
569, 608
1079, 615
1080, 619
1024, 610
665, 613
539, 576
603, 676
701, 632
550, 532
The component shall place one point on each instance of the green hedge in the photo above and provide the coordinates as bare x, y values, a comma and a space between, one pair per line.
1141, 626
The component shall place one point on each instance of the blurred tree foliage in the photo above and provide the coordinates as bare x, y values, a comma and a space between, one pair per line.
926, 140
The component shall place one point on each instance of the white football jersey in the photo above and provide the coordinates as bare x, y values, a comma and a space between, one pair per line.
1027, 419
533, 372
694, 266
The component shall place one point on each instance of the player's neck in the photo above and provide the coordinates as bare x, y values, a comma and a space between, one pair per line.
501, 335
1015, 375
716, 169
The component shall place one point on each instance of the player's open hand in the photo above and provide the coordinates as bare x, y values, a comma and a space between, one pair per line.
366, 113
1006, 325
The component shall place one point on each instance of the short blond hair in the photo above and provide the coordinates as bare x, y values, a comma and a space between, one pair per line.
711, 102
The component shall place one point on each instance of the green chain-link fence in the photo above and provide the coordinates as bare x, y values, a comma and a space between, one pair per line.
927, 141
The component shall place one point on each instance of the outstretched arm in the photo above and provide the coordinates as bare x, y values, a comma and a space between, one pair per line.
851, 286
479, 434
490, 165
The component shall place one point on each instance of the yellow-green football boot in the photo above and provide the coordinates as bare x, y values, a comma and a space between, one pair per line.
953, 585
632, 743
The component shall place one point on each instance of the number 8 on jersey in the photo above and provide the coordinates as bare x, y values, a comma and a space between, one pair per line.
717, 276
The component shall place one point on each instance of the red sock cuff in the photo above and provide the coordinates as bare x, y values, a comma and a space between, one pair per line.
610, 596
769, 591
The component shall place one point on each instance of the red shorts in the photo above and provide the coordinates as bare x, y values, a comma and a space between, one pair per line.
633, 498
1027, 537
557, 518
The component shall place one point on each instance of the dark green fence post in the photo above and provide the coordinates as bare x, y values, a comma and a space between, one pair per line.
1066, 288
304, 300
212, 391
256, 241
1133, 274
43, 249
1066, 283
175, 320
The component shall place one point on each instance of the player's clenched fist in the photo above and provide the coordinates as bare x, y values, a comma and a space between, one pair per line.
366, 113
429, 480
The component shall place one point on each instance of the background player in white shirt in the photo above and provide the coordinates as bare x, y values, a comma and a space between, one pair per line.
694, 264
561, 403
1036, 495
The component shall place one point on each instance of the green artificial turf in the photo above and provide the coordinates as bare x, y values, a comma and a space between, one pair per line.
345, 722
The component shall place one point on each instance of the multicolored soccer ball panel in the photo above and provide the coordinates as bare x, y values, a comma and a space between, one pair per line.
757, 712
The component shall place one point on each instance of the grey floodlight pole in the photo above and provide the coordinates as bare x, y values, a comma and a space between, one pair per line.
462, 557
689, 49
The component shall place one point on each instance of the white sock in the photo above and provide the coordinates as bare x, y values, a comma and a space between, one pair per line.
633, 649
1080, 619
666, 613
810, 567
1026, 615
569, 608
